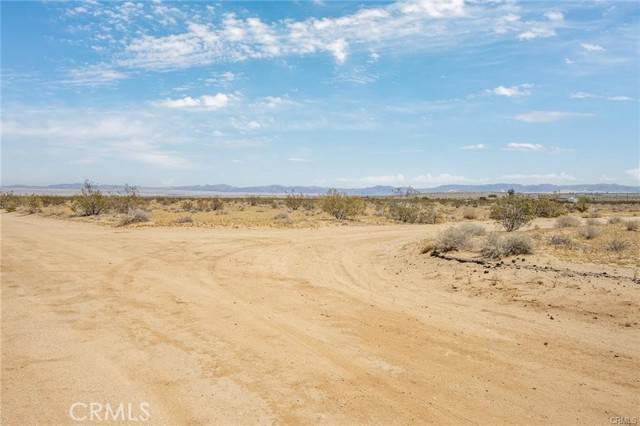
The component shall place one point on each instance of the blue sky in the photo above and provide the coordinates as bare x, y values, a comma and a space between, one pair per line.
419, 93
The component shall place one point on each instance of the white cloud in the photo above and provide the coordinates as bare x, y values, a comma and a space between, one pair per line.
634, 173
547, 116
95, 75
547, 178
208, 102
298, 160
587, 95
554, 16
513, 91
569, 61
478, 146
401, 180
592, 47
537, 32
515, 146
440, 179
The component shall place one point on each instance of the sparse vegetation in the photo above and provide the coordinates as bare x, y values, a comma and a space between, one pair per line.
632, 225
545, 207
341, 206
294, 201
472, 229
513, 211
469, 213
615, 220
617, 245
184, 219
411, 212
90, 202
134, 216
561, 241
452, 239
590, 232
582, 204
567, 222
32, 204
497, 246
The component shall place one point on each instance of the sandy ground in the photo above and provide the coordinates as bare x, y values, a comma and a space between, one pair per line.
338, 325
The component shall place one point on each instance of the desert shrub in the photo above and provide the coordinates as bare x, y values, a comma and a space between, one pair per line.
11, 208
134, 216
582, 205
560, 241
516, 244
294, 201
126, 202
615, 220
341, 206
452, 239
567, 222
590, 232
184, 219
545, 207
512, 211
216, 204
32, 204
90, 202
593, 222
632, 225
411, 213
496, 246
187, 205
617, 245
472, 229
7, 199
469, 213
253, 201
282, 218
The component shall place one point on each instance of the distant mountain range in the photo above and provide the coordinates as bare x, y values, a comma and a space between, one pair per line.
317, 190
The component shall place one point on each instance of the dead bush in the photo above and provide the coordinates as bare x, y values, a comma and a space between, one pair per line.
134, 216
512, 211
341, 206
469, 213
632, 225
473, 229
615, 220
282, 218
497, 246
617, 245
590, 232
184, 219
561, 241
187, 205
567, 222
452, 239
593, 222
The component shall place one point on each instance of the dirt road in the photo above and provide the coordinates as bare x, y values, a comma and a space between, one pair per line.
231, 326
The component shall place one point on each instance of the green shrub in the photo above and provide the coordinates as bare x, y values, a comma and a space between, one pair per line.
411, 212
8, 200
294, 201
512, 212
90, 202
340, 205
582, 205
545, 207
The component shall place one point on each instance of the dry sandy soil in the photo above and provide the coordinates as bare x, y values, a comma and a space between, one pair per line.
337, 325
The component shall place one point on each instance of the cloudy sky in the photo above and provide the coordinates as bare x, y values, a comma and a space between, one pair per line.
419, 93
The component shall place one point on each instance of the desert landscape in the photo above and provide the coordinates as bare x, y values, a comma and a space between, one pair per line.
319, 212
273, 311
